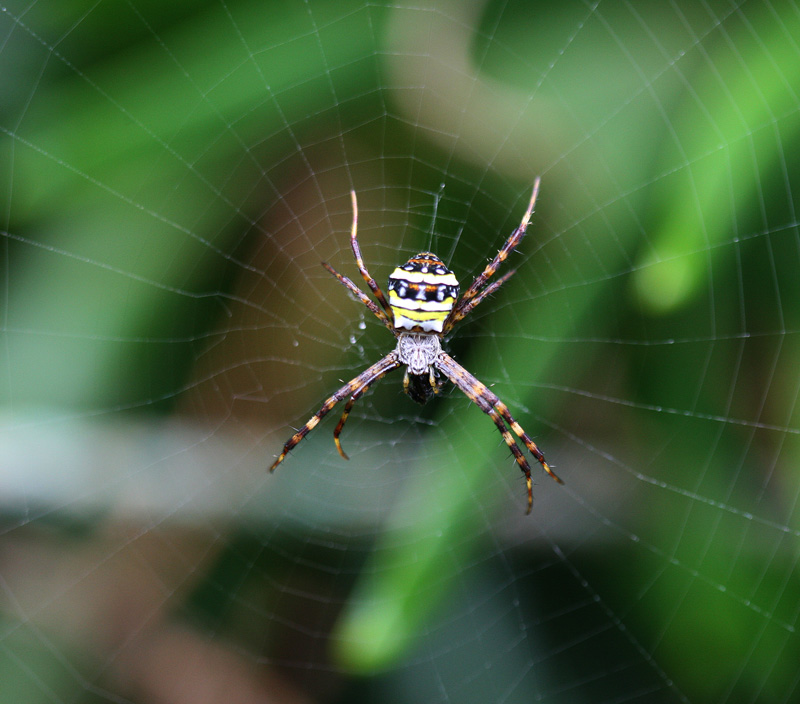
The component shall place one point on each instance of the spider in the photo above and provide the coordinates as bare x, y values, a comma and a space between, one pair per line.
422, 309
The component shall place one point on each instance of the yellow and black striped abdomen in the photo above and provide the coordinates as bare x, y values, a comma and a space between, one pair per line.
422, 293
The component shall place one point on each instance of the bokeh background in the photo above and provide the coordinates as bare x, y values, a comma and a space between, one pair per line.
171, 176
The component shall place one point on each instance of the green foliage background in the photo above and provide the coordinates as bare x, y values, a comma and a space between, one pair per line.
139, 144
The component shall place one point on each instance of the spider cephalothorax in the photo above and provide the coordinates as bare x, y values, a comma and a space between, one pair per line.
423, 307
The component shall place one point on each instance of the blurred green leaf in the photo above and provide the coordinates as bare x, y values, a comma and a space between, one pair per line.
119, 215
744, 86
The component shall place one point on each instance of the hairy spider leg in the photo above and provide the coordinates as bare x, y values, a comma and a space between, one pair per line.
447, 361
490, 404
361, 296
373, 285
420, 352
348, 407
340, 425
354, 386
488, 291
465, 305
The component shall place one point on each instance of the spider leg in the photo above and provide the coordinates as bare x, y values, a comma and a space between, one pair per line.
463, 306
470, 306
490, 404
373, 286
361, 296
354, 387
340, 425
533, 448
357, 394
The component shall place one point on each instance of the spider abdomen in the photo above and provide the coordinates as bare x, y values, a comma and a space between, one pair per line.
422, 292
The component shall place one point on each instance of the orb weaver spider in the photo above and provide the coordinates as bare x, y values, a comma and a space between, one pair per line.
422, 309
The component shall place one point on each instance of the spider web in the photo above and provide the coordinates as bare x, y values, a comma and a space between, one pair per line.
171, 178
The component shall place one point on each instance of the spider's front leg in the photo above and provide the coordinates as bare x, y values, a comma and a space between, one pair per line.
355, 387
490, 404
